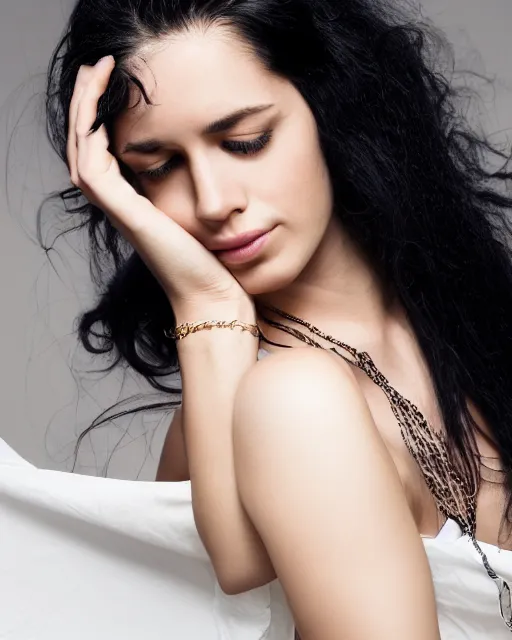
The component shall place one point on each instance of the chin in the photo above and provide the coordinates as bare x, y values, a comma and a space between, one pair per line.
266, 279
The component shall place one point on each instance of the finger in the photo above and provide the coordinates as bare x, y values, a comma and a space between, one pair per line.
71, 147
91, 147
88, 104
95, 161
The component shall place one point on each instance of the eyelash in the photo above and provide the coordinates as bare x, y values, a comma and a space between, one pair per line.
243, 147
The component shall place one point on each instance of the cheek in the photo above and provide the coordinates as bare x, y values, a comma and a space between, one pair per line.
302, 183
173, 200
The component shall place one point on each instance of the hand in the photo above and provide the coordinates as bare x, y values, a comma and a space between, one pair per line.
190, 275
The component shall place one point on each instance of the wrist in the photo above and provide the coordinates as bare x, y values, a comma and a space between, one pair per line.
224, 343
216, 358
230, 340
241, 310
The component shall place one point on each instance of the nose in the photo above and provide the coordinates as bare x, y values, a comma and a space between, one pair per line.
218, 193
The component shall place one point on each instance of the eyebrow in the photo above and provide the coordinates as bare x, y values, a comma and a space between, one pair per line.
221, 125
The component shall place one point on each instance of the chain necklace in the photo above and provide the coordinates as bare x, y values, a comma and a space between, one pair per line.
453, 489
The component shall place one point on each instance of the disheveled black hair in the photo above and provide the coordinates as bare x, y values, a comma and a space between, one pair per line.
413, 186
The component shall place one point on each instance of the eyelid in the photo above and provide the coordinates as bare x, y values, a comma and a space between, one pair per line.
243, 147
257, 133
257, 144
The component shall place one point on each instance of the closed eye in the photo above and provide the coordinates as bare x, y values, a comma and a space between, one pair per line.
160, 172
248, 147
240, 147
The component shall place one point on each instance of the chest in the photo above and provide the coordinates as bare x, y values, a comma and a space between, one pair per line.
491, 497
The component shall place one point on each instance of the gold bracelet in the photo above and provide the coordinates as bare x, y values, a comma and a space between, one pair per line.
185, 329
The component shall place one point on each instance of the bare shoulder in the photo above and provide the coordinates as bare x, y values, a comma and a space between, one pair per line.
322, 490
302, 359
305, 406
309, 366
297, 381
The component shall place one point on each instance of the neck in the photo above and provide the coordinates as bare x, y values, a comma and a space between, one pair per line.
339, 292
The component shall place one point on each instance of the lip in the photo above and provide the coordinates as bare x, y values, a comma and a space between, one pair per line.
238, 241
241, 253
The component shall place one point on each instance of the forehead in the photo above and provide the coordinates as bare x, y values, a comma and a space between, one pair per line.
193, 77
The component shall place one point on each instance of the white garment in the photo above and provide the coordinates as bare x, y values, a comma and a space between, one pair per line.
467, 599
95, 558
84, 557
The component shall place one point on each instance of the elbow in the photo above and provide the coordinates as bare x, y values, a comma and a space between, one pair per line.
234, 582
235, 586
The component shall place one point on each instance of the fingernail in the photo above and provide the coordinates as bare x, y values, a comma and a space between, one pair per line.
104, 62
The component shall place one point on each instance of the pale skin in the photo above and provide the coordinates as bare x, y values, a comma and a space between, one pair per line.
296, 463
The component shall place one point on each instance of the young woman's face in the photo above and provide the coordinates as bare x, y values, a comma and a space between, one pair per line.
262, 171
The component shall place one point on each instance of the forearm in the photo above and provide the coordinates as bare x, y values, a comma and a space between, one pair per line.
212, 365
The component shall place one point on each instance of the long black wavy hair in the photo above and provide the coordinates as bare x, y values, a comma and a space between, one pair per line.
412, 183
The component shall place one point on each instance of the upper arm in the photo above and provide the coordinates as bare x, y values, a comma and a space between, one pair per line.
173, 465
324, 495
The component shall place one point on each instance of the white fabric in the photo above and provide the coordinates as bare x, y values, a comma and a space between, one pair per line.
467, 599
84, 557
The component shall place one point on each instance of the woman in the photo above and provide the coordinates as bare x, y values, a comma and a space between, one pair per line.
278, 167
